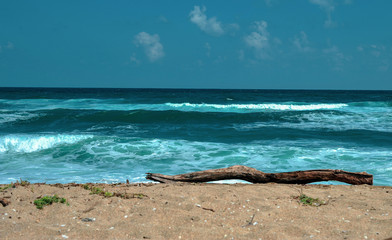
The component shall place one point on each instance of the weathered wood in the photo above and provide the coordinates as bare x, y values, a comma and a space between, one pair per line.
255, 176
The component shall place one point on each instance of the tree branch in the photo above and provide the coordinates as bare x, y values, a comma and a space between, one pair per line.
255, 176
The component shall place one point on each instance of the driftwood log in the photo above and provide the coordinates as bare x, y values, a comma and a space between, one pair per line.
255, 176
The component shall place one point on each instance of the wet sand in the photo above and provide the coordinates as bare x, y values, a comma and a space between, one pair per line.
197, 211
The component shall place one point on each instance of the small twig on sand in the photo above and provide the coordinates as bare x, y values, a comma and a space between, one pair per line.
208, 209
250, 222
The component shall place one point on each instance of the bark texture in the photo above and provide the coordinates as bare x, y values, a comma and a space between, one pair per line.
255, 176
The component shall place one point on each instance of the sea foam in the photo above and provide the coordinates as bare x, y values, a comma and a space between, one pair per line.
8, 117
27, 144
254, 107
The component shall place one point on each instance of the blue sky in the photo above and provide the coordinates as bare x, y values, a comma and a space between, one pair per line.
264, 44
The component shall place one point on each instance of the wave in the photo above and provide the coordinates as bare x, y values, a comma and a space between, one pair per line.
12, 116
139, 121
118, 159
28, 144
122, 105
326, 121
253, 107
372, 104
64, 118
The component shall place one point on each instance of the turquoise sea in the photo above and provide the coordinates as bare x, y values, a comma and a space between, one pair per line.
110, 135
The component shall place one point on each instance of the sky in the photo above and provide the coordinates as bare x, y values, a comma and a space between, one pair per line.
249, 44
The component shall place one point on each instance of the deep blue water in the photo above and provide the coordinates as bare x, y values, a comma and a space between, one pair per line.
110, 135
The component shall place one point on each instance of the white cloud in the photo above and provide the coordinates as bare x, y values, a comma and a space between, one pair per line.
134, 59
163, 19
301, 42
328, 6
259, 39
151, 44
336, 57
210, 26
376, 50
268, 2
380, 57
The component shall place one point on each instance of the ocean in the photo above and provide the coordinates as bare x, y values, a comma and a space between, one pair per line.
111, 135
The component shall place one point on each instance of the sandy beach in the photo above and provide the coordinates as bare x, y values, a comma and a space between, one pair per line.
196, 211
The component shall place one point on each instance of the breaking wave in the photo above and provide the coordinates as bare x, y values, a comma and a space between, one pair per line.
28, 144
254, 107
9, 117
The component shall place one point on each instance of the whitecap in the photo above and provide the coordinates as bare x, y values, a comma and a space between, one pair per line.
254, 107
33, 143
8, 117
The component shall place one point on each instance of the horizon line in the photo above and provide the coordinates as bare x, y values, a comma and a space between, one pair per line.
170, 88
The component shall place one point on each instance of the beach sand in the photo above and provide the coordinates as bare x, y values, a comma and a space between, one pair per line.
198, 211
